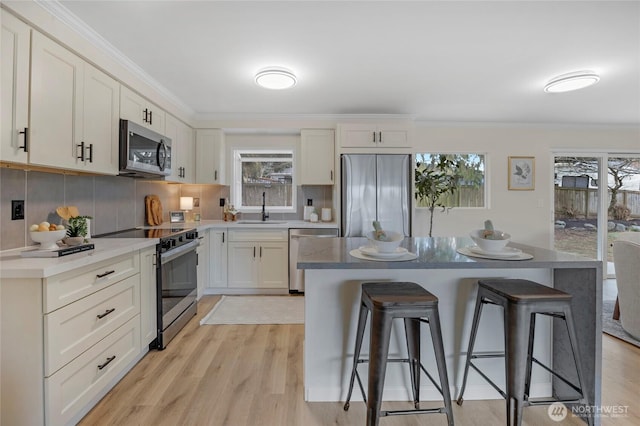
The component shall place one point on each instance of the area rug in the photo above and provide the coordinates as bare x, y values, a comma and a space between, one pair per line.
257, 310
613, 327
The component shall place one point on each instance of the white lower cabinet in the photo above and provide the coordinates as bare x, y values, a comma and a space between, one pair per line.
148, 291
204, 259
258, 259
73, 387
65, 340
218, 243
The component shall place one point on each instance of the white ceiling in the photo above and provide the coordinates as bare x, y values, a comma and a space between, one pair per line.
442, 61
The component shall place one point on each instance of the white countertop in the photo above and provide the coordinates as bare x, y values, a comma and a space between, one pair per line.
12, 265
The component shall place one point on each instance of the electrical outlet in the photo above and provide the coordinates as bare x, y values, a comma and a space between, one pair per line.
17, 209
309, 201
221, 202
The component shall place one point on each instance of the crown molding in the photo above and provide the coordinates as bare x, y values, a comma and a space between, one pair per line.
60, 12
299, 117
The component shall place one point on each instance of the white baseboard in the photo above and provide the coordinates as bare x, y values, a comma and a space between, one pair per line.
244, 291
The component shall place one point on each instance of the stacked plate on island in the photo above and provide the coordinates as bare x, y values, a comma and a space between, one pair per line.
506, 253
372, 253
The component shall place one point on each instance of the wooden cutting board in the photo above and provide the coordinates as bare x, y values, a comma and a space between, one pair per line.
153, 210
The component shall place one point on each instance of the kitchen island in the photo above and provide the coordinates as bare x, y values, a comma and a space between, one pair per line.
332, 296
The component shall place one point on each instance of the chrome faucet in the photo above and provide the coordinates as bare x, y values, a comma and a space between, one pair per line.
265, 215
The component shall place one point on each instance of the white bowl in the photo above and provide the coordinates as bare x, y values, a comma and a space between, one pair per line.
395, 238
47, 239
490, 246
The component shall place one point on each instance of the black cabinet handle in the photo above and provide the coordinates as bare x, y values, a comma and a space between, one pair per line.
81, 156
107, 312
223, 238
90, 153
380, 137
111, 358
150, 117
374, 137
260, 252
105, 274
25, 147
331, 174
254, 252
145, 112
215, 175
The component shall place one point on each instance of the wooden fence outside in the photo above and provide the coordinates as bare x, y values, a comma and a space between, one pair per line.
277, 194
582, 203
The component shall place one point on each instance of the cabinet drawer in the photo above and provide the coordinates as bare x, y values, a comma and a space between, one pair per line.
259, 235
63, 289
76, 384
73, 329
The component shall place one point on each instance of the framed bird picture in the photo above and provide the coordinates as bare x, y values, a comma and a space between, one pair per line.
522, 173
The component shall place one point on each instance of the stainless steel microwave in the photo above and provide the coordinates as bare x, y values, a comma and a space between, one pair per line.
143, 152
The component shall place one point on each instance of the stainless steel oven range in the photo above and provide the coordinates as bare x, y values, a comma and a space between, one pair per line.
176, 277
177, 283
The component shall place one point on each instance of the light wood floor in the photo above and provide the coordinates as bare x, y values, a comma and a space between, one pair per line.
236, 375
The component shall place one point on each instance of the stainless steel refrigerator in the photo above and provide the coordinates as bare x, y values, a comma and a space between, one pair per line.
376, 187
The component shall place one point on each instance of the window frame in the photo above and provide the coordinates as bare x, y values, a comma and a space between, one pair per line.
485, 198
236, 189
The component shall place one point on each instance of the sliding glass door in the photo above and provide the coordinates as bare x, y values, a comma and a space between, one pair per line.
577, 205
596, 198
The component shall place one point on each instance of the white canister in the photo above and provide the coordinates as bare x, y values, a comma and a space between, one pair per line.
307, 212
313, 217
326, 215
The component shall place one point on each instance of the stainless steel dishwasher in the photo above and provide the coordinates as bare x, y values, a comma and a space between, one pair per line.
296, 276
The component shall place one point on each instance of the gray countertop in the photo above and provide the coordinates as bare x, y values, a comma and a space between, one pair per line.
433, 253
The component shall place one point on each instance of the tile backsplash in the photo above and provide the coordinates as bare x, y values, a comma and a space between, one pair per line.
115, 203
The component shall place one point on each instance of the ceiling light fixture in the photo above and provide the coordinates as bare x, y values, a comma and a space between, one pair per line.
275, 78
571, 81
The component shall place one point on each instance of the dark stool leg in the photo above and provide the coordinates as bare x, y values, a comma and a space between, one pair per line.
378, 352
532, 333
441, 362
412, 333
362, 322
573, 339
472, 340
516, 320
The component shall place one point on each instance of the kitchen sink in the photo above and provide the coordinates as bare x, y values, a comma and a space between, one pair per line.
259, 222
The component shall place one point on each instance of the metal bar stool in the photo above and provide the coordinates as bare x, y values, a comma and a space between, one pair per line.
386, 301
522, 300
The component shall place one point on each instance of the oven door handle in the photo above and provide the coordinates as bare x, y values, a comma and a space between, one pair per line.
175, 253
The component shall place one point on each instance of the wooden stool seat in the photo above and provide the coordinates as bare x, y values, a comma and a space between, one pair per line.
388, 295
523, 291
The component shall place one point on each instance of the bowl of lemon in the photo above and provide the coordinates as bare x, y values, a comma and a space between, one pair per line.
47, 235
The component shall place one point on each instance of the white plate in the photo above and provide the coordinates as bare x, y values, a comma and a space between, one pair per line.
370, 251
506, 252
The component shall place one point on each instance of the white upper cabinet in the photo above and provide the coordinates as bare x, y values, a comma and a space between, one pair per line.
14, 108
182, 150
74, 111
100, 121
210, 159
139, 110
317, 155
56, 102
374, 135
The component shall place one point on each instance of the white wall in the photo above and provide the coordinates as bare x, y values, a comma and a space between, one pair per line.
527, 215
